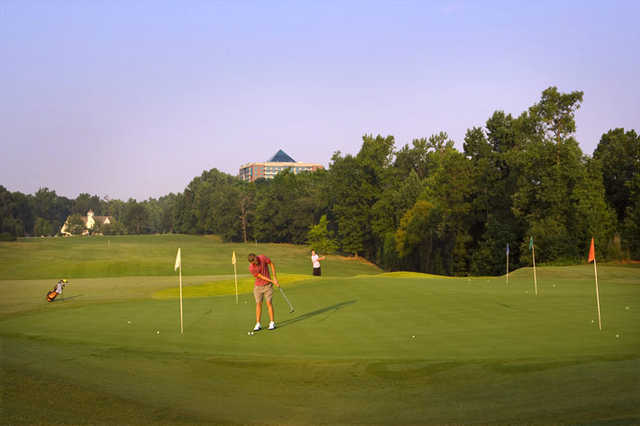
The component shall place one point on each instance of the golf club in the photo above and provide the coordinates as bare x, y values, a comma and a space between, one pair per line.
285, 298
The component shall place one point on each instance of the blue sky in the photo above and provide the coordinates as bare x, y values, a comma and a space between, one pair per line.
135, 98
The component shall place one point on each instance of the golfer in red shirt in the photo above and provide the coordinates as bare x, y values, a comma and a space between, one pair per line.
263, 288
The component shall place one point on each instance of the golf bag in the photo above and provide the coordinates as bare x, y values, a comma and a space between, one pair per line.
59, 287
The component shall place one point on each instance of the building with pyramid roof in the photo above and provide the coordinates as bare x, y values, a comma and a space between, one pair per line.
279, 162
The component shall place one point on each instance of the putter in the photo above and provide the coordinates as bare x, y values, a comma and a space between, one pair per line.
285, 298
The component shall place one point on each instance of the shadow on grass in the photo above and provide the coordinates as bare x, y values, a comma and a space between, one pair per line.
314, 313
68, 298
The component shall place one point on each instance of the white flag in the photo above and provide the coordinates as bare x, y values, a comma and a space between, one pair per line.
178, 261
233, 258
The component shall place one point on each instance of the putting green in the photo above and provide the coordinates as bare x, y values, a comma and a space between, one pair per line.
386, 348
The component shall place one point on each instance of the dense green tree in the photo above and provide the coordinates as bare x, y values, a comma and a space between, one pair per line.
22, 213
168, 204
591, 216
321, 238
549, 166
51, 207
492, 224
355, 185
619, 153
75, 224
284, 209
6, 213
43, 227
115, 208
449, 189
417, 236
154, 215
85, 202
554, 116
136, 217
631, 224
114, 228
398, 195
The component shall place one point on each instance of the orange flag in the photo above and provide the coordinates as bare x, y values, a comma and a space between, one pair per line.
592, 252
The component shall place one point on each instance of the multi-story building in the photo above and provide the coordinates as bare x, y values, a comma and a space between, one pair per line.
277, 163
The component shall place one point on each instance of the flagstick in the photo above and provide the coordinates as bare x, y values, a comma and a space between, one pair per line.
180, 274
595, 269
235, 276
507, 267
535, 280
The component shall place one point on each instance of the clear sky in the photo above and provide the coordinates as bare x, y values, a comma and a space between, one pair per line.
126, 98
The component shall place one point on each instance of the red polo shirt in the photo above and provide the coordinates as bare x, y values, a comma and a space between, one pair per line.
262, 268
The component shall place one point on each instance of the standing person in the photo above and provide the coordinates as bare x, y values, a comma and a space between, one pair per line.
315, 260
60, 286
263, 288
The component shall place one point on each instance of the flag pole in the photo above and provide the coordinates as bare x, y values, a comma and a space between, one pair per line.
507, 263
535, 280
595, 269
178, 267
592, 256
235, 274
180, 274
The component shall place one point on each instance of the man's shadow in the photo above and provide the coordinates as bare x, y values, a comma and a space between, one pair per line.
315, 313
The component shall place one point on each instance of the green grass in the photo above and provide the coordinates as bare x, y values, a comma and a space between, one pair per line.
150, 255
483, 352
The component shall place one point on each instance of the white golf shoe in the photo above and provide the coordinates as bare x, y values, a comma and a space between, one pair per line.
257, 327
272, 325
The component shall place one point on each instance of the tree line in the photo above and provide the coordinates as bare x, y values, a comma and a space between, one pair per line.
425, 206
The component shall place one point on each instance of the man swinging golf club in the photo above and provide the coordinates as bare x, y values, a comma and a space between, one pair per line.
263, 287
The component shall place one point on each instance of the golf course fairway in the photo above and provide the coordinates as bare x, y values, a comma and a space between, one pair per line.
366, 347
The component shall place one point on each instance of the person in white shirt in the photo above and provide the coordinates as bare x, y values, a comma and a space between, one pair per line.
315, 260
60, 286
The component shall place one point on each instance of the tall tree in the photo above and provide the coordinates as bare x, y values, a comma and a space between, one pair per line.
136, 217
619, 153
554, 116
548, 164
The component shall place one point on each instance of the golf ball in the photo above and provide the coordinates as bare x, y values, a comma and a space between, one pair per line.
157, 331
617, 336
128, 322
413, 337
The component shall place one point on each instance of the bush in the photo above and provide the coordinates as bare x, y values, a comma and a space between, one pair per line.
5, 236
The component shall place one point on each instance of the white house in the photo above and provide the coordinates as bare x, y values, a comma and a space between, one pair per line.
89, 222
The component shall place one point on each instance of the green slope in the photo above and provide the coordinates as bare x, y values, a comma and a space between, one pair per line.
152, 255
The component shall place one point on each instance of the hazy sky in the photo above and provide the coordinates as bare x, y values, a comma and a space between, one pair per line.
126, 98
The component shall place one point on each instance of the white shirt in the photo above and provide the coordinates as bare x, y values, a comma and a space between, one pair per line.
59, 288
315, 261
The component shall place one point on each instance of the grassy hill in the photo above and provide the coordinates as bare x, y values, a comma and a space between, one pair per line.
361, 346
151, 255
